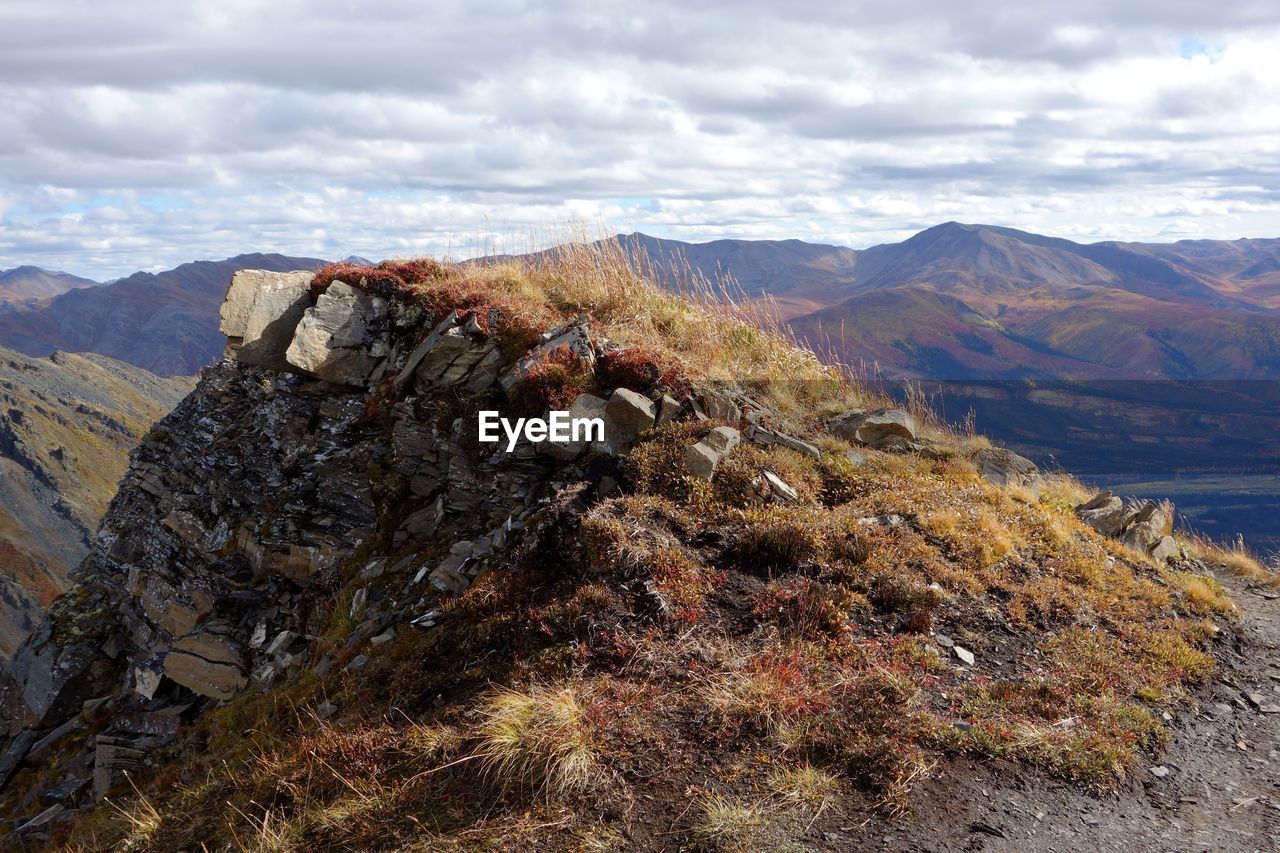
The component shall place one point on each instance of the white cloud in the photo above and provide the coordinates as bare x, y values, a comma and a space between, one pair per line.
142, 134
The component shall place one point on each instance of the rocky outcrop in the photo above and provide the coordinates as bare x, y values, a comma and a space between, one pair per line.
342, 337
260, 314
237, 522
1143, 525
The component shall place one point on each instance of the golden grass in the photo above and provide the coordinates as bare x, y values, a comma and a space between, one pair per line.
730, 824
1235, 557
537, 737
806, 787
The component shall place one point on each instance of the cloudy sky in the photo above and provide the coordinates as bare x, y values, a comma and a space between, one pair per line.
140, 134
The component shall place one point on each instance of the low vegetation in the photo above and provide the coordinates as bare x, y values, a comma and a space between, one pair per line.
680, 665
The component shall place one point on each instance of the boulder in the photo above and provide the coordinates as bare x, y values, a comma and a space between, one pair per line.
1166, 549
1147, 524
1105, 513
261, 311
342, 337
208, 663
882, 428
1005, 468
702, 459
586, 406
626, 414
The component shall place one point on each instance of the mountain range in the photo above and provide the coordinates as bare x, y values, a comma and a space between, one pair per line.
952, 302
984, 302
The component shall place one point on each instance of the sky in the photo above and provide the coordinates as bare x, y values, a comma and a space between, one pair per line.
140, 135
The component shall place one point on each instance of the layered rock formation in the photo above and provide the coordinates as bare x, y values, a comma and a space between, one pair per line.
288, 470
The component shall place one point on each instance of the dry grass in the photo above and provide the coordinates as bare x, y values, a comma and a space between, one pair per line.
805, 787
537, 737
731, 824
1235, 557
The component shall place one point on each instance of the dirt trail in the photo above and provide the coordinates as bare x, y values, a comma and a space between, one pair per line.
1221, 791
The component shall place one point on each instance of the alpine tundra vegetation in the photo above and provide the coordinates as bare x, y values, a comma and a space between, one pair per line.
759, 612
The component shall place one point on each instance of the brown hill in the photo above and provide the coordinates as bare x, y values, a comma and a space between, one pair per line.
67, 424
27, 283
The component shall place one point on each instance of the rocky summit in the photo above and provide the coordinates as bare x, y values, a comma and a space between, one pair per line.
314, 558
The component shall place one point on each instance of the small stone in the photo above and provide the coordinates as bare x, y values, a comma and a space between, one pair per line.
944, 641
326, 709
964, 654
1160, 771
385, 637
357, 602
356, 663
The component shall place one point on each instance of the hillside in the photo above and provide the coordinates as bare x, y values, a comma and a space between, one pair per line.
28, 283
165, 322
758, 611
67, 424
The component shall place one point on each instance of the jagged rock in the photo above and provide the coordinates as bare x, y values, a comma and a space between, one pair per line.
668, 410
720, 406
67, 792
208, 663
1147, 524
457, 352
1005, 468
1105, 513
162, 603
342, 337
260, 314
702, 459
767, 438
42, 820
893, 429
964, 654
626, 415
573, 338
14, 753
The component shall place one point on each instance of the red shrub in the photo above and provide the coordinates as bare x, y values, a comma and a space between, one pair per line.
552, 383
638, 368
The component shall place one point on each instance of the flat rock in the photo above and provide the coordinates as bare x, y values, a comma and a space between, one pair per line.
1005, 468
